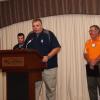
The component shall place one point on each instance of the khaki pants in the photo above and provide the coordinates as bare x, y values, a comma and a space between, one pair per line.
49, 77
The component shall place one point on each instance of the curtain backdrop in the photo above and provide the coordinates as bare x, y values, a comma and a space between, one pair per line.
72, 33
14, 11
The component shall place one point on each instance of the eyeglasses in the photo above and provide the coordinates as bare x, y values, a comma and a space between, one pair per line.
93, 31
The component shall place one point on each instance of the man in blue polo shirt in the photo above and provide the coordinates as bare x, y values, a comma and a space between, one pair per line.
46, 43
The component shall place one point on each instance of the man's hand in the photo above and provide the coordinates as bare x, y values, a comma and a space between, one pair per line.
45, 58
98, 59
93, 62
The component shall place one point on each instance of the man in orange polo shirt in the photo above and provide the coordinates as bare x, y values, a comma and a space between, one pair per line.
92, 56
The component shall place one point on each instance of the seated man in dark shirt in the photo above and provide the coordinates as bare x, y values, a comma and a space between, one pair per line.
18, 80
20, 38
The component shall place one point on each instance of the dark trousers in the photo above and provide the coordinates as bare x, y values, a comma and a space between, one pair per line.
93, 84
93, 80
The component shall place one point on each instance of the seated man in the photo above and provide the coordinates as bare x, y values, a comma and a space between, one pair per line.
20, 38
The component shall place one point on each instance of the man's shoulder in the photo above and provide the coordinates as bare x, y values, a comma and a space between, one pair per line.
88, 43
47, 31
16, 46
30, 33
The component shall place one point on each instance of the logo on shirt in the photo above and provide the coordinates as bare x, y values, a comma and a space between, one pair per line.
93, 45
42, 41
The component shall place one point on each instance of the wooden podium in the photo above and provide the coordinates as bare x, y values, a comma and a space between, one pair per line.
22, 61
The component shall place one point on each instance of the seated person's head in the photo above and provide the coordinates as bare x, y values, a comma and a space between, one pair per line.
20, 38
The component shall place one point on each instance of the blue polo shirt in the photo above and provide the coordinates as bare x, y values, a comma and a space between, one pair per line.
43, 42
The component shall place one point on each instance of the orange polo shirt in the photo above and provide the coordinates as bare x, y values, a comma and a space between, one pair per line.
92, 48
99, 37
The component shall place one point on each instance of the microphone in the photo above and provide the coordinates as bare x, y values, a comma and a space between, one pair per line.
28, 42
